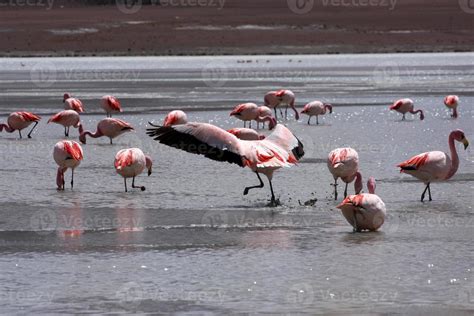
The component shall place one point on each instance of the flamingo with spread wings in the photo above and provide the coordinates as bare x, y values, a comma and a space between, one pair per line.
280, 149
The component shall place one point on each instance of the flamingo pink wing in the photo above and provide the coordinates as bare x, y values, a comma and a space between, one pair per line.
29, 117
55, 118
74, 150
414, 163
125, 159
114, 104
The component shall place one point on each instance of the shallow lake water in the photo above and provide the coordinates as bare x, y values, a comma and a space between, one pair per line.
192, 243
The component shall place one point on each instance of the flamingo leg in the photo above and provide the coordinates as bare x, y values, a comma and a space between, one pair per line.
275, 110
429, 192
317, 120
345, 190
29, 134
246, 190
137, 187
335, 189
281, 112
286, 112
111, 143
427, 188
354, 218
250, 124
68, 129
125, 183
309, 118
19, 132
273, 202
403, 117
72, 179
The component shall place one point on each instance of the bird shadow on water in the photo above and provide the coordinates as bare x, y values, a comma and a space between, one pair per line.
362, 237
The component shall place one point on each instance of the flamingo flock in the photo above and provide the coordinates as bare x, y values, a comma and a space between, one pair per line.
246, 147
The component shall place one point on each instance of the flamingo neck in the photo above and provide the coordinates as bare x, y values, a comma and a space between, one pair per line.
422, 115
97, 134
358, 183
454, 157
7, 128
149, 164
297, 115
271, 121
60, 178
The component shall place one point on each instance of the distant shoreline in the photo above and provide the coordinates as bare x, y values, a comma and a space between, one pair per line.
240, 27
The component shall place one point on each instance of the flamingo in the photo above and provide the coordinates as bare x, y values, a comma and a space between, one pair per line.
67, 118
263, 113
246, 134
435, 166
316, 108
19, 121
248, 112
452, 101
406, 105
71, 103
110, 104
280, 149
175, 117
109, 127
274, 99
130, 163
344, 163
365, 211
67, 154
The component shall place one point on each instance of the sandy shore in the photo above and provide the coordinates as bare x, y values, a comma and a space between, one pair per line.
194, 27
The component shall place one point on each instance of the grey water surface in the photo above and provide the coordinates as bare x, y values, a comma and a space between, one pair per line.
192, 243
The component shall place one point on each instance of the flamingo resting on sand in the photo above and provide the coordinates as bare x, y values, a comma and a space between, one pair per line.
280, 149
130, 163
110, 104
67, 154
344, 163
435, 166
246, 133
273, 99
365, 211
263, 113
66, 118
71, 103
17, 121
452, 101
316, 108
109, 127
406, 105
175, 117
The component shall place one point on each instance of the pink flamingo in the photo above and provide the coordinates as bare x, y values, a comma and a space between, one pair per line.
273, 99
452, 101
248, 112
365, 211
263, 113
17, 121
246, 134
67, 154
406, 105
108, 127
435, 166
66, 118
280, 149
110, 104
344, 163
175, 117
316, 108
71, 103
129, 163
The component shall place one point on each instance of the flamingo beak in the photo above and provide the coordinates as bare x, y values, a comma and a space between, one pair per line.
149, 172
465, 143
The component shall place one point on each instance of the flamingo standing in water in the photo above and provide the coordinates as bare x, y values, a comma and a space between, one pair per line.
344, 163
435, 166
246, 133
67, 154
452, 101
280, 149
404, 106
175, 117
316, 108
263, 113
71, 103
110, 104
130, 163
109, 127
67, 118
248, 112
273, 99
17, 121
365, 211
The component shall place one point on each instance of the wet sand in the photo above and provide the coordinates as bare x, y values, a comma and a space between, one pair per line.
191, 243
235, 27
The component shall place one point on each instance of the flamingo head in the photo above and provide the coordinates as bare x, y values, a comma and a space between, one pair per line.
82, 137
459, 136
328, 106
149, 164
66, 96
371, 185
272, 123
